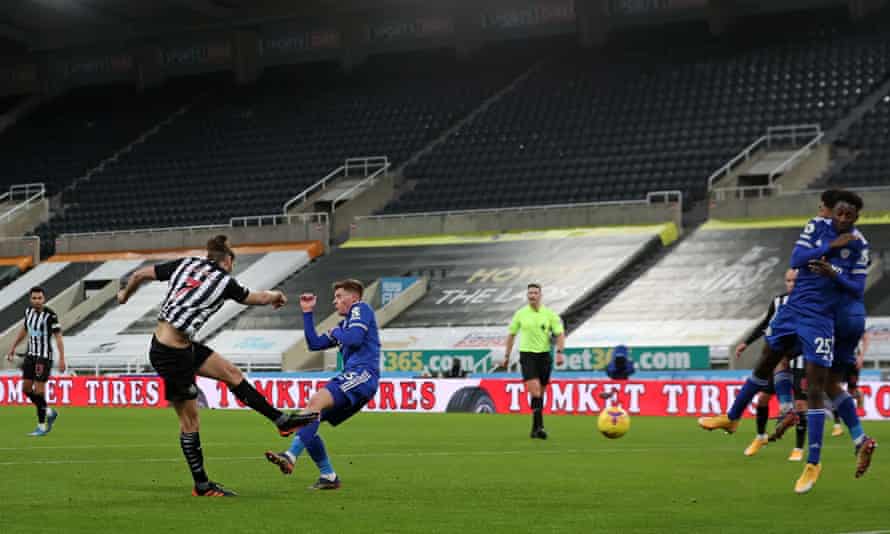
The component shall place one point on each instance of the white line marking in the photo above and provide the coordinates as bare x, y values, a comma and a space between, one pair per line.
417, 454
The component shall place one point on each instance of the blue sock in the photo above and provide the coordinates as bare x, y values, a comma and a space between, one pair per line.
304, 436
782, 379
846, 408
320, 455
815, 426
745, 396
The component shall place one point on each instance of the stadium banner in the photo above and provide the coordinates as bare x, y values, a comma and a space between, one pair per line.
392, 287
537, 18
212, 54
285, 45
432, 395
409, 29
645, 358
97, 391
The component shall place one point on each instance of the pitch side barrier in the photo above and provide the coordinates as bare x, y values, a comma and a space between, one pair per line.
672, 397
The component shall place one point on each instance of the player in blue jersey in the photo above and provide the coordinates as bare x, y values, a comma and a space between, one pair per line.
806, 323
849, 270
347, 393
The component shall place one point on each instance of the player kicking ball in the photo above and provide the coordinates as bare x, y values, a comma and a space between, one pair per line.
347, 393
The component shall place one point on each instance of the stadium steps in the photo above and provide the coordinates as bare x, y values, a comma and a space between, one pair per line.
857, 113
582, 310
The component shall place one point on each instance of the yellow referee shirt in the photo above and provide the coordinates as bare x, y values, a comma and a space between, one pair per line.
535, 328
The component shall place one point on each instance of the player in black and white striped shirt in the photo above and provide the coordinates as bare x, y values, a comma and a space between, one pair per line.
198, 287
40, 326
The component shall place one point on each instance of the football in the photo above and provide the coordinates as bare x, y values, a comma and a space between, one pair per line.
613, 422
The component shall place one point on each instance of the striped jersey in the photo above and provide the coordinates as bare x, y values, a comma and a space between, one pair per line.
198, 287
41, 326
758, 332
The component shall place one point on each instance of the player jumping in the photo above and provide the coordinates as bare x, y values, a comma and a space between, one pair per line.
347, 393
808, 320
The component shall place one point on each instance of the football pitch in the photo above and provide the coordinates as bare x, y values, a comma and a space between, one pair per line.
121, 470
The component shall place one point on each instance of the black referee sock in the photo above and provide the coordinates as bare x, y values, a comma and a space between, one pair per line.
251, 397
801, 428
191, 448
762, 419
537, 413
40, 402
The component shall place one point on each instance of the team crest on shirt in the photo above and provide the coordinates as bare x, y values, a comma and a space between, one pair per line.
845, 253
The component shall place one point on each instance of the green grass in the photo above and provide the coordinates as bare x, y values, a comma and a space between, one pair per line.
120, 470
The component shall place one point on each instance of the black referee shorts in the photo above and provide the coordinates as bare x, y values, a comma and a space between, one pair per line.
536, 365
36, 368
177, 367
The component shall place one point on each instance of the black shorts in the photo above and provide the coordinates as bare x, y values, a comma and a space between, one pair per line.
36, 368
178, 367
798, 379
536, 365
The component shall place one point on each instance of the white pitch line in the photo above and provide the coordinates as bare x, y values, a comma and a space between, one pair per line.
420, 454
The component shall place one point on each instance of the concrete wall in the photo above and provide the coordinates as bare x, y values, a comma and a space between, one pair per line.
368, 201
191, 238
807, 171
26, 220
11, 247
797, 204
507, 220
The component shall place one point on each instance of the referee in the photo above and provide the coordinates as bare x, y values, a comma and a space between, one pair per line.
536, 325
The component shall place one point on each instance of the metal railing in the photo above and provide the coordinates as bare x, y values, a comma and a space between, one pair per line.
106, 233
365, 164
750, 191
793, 159
25, 195
278, 219
774, 136
371, 179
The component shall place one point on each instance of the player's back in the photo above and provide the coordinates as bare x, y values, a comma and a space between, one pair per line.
814, 294
365, 356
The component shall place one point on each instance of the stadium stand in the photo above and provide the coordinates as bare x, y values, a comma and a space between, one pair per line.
53, 277
246, 150
602, 126
870, 140
67, 136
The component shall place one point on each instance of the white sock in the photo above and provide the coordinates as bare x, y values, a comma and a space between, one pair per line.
762, 437
330, 477
291, 457
42, 426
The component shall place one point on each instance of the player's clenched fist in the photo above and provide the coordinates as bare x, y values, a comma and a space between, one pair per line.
307, 302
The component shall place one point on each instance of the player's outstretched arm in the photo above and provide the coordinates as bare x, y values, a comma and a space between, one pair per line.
145, 274
274, 298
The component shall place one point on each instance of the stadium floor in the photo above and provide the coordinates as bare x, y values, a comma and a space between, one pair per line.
121, 470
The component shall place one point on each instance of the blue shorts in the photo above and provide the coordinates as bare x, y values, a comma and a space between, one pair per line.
351, 391
807, 334
848, 332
